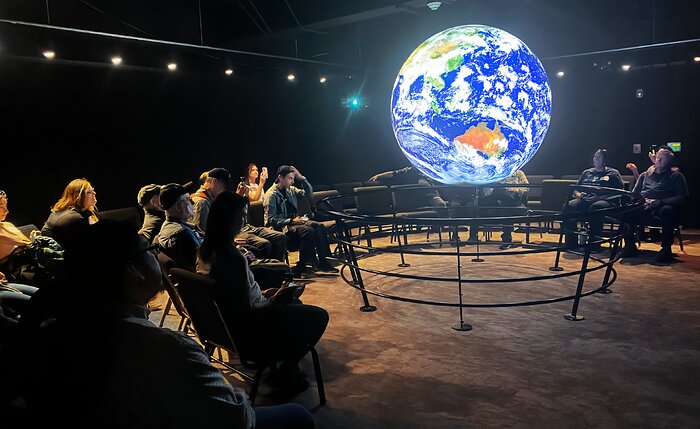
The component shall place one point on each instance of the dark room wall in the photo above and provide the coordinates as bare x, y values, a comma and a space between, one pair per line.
125, 128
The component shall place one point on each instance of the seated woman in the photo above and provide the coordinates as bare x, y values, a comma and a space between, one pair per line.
10, 236
265, 326
590, 200
255, 190
72, 212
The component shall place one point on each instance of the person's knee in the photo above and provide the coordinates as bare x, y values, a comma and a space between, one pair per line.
305, 231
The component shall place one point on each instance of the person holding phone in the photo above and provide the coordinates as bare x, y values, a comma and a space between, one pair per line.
271, 321
255, 187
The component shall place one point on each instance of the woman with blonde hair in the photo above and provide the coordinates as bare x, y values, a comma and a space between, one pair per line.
75, 210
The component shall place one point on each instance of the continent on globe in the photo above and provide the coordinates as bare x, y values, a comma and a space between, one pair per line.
489, 142
470, 105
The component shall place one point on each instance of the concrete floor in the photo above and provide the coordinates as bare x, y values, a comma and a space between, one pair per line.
633, 362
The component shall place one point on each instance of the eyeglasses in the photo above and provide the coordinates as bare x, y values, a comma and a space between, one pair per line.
3, 194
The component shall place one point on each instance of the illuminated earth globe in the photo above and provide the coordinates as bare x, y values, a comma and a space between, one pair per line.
471, 105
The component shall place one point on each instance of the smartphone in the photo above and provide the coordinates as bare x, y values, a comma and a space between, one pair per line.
243, 180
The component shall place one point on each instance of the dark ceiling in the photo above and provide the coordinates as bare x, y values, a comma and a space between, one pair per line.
357, 33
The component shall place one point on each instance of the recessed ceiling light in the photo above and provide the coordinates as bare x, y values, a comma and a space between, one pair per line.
228, 72
322, 79
696, 59
434, 5
626, 67
560, 74
172, 66
116, 60
291, 76
49, 55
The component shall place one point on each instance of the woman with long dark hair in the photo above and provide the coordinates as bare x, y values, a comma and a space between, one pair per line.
271, 327
256, 188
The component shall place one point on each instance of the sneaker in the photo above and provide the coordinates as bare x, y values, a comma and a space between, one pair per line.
664, 255
628, 251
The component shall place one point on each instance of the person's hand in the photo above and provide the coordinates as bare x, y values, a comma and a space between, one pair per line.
589, 197
263, 175
2, 277
269, 293
297, 174
651, 203
250, 256
298, 221
652, 155
374, 178
632, 167
242, 190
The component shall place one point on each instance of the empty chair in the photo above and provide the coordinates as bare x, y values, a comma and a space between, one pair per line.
174, 299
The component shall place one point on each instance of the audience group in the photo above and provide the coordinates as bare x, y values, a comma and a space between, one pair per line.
147, 376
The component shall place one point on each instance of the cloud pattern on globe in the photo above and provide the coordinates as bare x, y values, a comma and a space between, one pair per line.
471, 105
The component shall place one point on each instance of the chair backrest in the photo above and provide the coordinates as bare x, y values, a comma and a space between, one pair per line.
318, 196
373, 200
256, 213
167, 265
571, 177
27, 229
535, 192
628, 181
411, 197
197, 294
347, 202
129, 215
556, 192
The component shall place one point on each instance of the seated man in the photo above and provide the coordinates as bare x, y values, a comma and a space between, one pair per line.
586, 199
263, 242
146, 376
153, 215
281, 213
664, 191
178, 239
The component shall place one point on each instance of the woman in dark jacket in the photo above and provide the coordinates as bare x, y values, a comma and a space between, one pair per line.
75, 210
264, 327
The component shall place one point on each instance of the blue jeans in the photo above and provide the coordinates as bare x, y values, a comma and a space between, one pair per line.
287, 416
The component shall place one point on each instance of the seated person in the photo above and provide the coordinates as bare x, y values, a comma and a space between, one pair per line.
263, 242
153, 214
10, 236
255, 190
269, 323
74, 211
14, 296
652, 157
588, 200
145, 377
281, 213
178, 239
664, 192
514, 198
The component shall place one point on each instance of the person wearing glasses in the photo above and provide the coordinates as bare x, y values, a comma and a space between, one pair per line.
75, 210
178, 238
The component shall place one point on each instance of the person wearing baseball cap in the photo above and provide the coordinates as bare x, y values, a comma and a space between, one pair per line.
178, 239
153, 215
216, 181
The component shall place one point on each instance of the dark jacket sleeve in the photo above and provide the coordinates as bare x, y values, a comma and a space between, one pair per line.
275, 215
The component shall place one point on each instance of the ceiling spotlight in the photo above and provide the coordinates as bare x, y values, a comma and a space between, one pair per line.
172, 66
116, 60
560, 74
434, 5
228, 72
49, 55
696, 59
322, 79
626, 67
291, 76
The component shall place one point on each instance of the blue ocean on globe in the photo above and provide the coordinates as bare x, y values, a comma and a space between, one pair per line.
471, 105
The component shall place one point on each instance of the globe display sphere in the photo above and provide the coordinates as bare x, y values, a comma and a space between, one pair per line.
471, 105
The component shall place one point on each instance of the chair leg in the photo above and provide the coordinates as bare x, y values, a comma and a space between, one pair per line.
256, 384
319, 376
680, 238
166, 310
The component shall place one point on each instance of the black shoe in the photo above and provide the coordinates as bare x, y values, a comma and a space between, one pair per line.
664, 255
300, 271
506, 238
326, 267
628, 251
